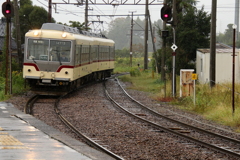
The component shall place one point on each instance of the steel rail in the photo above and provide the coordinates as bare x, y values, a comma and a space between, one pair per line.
175, 121
29, 105
88, 140
196, 141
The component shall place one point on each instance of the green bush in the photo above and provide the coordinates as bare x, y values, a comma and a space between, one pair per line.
17, 85
135, 72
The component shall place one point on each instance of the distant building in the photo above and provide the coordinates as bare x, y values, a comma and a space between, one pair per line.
224, 62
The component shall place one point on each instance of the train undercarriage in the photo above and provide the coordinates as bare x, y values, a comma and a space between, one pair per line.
58, 87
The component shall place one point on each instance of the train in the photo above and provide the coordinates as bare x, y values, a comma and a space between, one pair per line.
59, 58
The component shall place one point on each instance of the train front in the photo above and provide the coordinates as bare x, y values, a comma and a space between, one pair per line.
48, 65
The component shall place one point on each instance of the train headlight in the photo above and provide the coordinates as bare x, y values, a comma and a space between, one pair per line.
36, 33
29, 70
66, 72
42, 74
64, 35
53, 75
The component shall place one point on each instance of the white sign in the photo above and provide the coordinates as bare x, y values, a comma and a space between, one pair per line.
174, 47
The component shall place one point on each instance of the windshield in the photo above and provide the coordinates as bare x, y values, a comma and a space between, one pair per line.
48, 50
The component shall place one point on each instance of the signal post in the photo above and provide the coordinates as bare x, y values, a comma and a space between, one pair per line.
8, 12
166, 15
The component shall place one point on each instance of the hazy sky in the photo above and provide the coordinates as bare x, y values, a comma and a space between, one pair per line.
225, 12
66, 13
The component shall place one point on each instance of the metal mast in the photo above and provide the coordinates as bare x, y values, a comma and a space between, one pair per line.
237, 17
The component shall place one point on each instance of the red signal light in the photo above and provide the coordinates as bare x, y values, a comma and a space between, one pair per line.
166, 13
7, 9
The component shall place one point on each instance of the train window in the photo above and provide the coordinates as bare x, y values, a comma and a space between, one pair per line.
78, 51
94, 53
37, 49
112, 53
85, 54
60, 50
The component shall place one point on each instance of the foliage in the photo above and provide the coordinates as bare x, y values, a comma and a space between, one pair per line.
119, 31
135, 72
212, 103
17, 85
31, 17
144, 82
122, 64
215, 103
78, 25
137, 51
18, 82
192, 30
227, 36
120, 53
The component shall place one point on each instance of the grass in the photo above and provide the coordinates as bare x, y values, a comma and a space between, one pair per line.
17, 85
214, 104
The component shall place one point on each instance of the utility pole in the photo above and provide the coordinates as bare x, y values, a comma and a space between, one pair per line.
7, 56
233, 69
146, 37
174, 23
153, 41
213, 45
18, 35
8, 12
131, 38
237, 17
163, 50
86, 15
49, 11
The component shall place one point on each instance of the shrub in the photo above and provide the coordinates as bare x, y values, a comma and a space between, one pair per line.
134, 72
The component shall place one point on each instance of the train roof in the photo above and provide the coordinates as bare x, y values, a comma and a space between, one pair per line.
60, 27
56, 31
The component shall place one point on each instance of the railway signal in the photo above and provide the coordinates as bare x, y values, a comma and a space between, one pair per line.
165, 34
8, 12
166, 13
7, 9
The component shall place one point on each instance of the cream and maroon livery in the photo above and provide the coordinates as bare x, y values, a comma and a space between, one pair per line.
58, 56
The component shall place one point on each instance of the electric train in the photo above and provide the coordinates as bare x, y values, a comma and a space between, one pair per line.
61, 58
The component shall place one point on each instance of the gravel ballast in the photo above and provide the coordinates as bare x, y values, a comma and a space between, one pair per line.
93, 114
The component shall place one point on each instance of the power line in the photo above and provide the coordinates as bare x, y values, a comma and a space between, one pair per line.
119, 15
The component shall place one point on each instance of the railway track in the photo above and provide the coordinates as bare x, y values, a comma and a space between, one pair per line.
196, 135
30, 103
28, 110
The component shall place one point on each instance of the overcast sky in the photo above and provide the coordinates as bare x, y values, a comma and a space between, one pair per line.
66, 13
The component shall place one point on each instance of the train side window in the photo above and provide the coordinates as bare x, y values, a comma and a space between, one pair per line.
78, 51
94, 54
85, 54
112, 57
79, 56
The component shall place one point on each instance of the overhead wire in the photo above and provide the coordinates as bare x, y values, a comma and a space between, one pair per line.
73, 12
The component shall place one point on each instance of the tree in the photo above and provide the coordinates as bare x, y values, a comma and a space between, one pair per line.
227, 36
119, 31
25, 2
31, 17
138, 50
78, 25
192, 30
